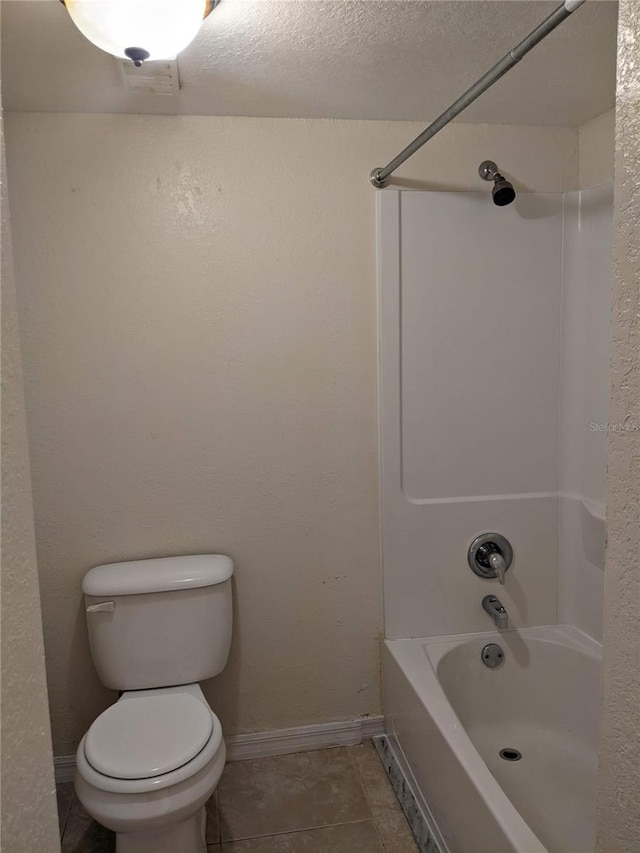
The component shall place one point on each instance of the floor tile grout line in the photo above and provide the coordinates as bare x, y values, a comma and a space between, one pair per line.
78, 811
69, 810
368, 814
63, 828
379, 837
64, 824
358, 776
300, 829
375, 811
218, 822
380, 813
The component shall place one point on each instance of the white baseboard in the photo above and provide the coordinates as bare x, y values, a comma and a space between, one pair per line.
64, 768
303, 738
279, 742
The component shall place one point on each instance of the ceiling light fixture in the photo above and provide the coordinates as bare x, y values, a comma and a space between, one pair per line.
139, 29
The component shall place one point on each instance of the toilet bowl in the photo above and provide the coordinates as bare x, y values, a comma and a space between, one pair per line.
149, 763
171, 733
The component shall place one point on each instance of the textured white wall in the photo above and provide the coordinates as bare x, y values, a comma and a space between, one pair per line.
29, 819
198, 299
619, 795
596, 150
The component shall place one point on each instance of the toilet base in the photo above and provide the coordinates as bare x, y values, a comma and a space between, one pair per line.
188, 836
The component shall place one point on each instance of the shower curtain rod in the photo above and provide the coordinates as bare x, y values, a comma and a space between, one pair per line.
379, 176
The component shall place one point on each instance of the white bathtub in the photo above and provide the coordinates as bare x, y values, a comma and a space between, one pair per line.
450, 716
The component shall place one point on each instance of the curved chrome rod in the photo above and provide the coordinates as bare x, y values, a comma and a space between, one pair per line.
379, 176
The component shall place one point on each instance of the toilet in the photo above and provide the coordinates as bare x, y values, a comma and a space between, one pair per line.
149, 763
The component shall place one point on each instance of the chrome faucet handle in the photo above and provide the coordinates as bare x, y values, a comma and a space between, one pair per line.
489, 556
496, 561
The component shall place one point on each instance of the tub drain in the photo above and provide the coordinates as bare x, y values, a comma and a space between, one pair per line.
492, 655
510, 754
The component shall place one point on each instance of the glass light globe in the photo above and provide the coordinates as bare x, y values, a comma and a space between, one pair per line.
139, 29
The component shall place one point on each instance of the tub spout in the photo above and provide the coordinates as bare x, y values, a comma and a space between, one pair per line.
495, 609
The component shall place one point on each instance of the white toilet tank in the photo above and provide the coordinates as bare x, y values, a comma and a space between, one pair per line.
158, 623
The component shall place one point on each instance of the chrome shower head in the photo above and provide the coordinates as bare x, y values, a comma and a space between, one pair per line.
503, 192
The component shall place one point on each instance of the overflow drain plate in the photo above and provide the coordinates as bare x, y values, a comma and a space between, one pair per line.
492, 655
510, 754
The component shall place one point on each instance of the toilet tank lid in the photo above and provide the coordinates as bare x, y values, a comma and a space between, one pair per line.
158, 575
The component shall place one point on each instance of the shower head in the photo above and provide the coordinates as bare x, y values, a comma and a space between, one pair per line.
503, 192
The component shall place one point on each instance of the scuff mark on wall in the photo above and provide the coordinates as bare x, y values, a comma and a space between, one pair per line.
187, 195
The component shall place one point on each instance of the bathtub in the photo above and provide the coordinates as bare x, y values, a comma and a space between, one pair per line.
449, 716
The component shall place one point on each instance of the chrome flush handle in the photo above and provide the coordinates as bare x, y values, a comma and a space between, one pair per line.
102, 607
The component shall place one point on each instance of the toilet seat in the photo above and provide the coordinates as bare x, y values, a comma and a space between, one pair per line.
213, 747
144, 735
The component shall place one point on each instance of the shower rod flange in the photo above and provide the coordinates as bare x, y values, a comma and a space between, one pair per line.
376, 178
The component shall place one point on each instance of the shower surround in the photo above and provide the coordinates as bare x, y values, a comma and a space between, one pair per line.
493, 365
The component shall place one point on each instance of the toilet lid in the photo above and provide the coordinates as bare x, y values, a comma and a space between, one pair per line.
147, 736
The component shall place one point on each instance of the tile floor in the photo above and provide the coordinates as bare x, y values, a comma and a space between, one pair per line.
329, 801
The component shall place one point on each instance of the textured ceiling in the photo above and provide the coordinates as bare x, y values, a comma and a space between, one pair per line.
354, 59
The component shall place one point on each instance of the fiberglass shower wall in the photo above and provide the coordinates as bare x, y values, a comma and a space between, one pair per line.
471, 339
584, 406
